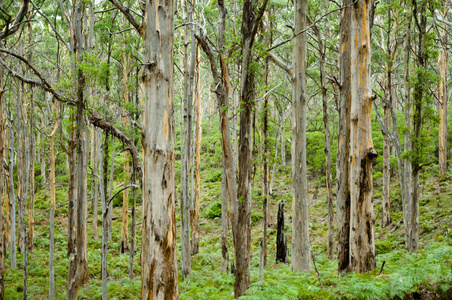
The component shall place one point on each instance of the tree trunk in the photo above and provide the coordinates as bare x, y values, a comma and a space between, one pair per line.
94, 183
186, 195
281, 246
261, 261
283, 140
78, 263
362, 244
72, 194
132, 249
125, 195
110, 188
52, 159
386, 216
407, 186
194, 212
275, 163
442, 104
105, 229
301, 258
12, 197
239, 210
327, 149
31, 203
3, 192
224, 222
158, 252
419, 92
343, 149
43, 164
22, 149
266, 153
243, 225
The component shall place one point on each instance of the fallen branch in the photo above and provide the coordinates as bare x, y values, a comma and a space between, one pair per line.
315, 267
382, 265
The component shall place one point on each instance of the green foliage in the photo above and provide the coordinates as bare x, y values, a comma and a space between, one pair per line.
256, 217
214, 210
214, 176
404, 277
382, 247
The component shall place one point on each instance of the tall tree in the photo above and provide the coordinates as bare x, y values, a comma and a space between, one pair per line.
52, 159
186, 161
251, 19
442, 95
356, 251
194, 210
125, 196
301, 258
78, 263
2, 190
158, 249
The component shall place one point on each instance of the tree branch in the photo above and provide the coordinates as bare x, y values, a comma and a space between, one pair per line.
277, 61
51, 25
126, 12
309, 27
259, 17
119, 191
17, 21
94, 117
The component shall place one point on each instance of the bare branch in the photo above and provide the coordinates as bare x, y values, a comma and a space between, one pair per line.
119, 191
277, 61
309, 27
51, 25
126, 12
94, 117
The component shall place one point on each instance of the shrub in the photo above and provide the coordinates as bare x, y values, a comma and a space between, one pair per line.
256, 217
214, 210
383, 246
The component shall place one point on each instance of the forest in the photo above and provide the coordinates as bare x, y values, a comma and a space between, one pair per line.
212, 149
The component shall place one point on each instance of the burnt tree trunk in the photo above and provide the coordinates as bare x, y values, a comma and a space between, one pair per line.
281, 244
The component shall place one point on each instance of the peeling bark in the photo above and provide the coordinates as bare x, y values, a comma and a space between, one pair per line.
158, 252
78, 263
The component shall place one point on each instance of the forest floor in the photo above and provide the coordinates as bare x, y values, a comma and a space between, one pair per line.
427, 273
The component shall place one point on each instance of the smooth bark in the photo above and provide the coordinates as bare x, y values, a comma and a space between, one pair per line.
343, 149
301, 258
194, 211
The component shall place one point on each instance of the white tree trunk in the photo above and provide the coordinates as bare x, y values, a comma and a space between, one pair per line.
158, 252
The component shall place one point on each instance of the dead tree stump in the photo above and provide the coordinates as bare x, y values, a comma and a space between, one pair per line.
281, 241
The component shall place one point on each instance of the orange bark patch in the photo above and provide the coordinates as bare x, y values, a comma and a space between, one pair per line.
165, 125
